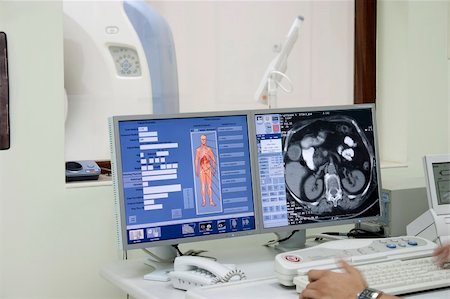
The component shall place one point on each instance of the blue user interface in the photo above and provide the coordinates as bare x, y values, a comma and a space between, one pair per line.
186, 177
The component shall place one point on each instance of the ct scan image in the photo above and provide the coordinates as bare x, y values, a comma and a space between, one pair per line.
329, 168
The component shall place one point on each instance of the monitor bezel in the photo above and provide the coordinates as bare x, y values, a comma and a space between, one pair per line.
330, 222
116, 166
429, 160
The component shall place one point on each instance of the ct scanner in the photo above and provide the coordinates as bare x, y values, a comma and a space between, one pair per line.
119, 59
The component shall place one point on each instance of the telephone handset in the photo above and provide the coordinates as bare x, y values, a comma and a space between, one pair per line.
194, 271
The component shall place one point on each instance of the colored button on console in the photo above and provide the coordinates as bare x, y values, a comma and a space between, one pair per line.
412, 242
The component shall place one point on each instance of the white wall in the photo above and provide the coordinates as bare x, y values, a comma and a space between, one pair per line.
53, 240
413, 76
224, 47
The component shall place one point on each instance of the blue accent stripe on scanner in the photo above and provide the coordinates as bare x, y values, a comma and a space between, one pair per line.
156, 38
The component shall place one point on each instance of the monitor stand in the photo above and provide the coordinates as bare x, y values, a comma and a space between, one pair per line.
161, 260
296, 241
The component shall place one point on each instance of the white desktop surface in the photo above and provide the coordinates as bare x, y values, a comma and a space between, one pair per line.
256, 262
269, 288
128, 275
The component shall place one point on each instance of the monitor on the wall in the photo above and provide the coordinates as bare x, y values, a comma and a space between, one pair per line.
317, 166
182, 178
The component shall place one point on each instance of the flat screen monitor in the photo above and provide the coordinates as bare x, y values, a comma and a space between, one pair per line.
317, 166
437, 177
182, 178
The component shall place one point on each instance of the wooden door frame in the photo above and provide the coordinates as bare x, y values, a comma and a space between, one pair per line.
364, 88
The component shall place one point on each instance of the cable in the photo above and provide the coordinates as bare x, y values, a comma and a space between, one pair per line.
178, 250
353, 233
107, 171
233, 275
291, 86
328, 235
272, 242
356, 233
157, 258
192, 252
273, 83
362, 233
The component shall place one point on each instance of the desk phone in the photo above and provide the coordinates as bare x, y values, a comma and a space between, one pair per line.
194, 271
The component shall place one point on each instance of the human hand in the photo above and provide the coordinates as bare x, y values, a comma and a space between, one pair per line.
327, 284
442, 254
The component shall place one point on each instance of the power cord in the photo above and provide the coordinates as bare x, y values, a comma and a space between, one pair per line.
359, 233
328, 236
192, 252
157, 258
288, 90
276, 241
356, 233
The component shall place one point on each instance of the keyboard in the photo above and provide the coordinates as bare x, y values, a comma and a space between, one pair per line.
385, 255
398, 277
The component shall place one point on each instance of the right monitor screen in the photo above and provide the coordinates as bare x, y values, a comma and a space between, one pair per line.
317, 165
441, 174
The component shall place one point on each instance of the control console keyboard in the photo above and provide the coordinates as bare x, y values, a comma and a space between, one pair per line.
398, 277
382, 254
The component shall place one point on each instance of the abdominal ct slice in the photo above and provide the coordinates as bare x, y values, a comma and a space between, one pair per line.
313, 188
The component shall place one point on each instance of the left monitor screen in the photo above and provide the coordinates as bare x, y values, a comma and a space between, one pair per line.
184, 178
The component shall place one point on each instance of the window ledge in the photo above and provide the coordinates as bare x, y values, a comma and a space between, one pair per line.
103, 180
393, 164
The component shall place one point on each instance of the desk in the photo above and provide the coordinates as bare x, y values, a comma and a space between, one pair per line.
128, 274
256, 262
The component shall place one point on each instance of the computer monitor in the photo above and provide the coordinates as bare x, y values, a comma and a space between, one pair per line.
182, 178
434, 224
317, 166
437, 178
